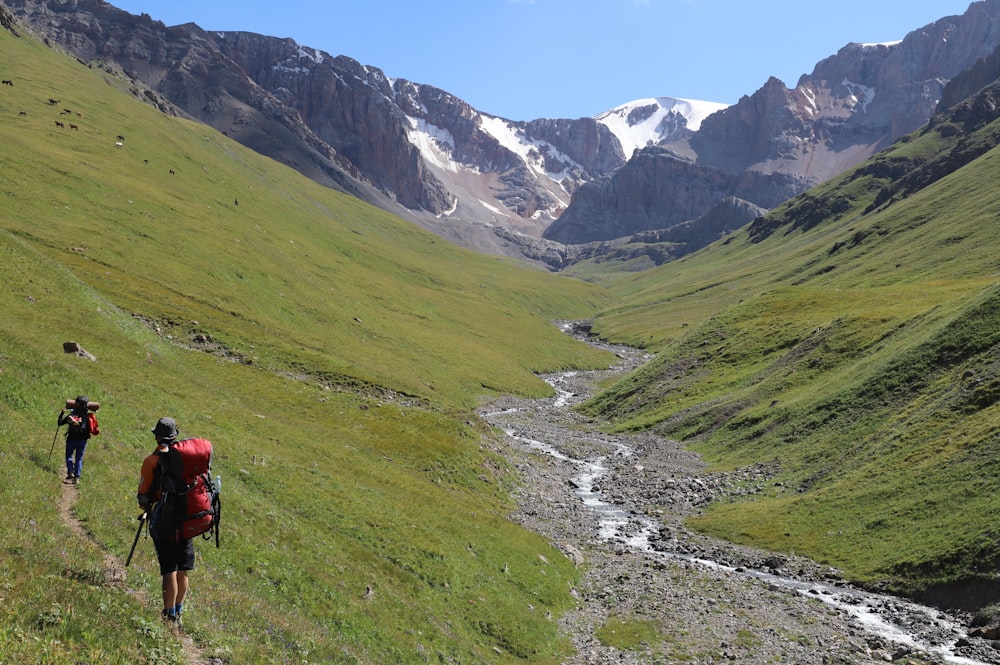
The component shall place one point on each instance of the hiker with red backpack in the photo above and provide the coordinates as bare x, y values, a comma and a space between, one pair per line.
177, 493
82, 424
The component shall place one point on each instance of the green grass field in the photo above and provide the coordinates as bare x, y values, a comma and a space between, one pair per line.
332, 353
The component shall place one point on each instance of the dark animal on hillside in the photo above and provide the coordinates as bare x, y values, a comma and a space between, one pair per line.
7, 82
172, 172
236, 201
23, 113
67, 112
72, 126
59, 124
53, 102
121, 138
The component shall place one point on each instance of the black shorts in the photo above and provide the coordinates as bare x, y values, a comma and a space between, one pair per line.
174, 556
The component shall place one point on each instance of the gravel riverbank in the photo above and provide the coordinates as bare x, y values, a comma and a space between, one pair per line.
710, 601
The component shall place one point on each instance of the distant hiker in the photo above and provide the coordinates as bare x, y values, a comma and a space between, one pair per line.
176, 491
82, 425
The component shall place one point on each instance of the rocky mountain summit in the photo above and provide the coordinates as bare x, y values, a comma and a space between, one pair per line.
544, 190
852, 105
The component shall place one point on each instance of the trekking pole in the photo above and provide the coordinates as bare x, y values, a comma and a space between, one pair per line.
54, 437
138, 532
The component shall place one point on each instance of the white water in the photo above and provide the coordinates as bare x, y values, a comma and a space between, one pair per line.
869, 610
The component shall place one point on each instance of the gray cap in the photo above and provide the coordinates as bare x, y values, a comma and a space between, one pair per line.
165, 428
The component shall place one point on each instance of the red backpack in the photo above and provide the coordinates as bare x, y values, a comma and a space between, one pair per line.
189, 504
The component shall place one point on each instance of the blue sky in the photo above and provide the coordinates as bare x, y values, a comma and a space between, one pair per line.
526, 59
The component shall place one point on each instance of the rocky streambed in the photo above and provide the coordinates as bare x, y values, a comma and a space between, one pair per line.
701, 600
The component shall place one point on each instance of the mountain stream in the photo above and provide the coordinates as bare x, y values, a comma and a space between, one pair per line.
728, 602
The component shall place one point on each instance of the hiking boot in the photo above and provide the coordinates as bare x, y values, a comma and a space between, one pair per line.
76, 479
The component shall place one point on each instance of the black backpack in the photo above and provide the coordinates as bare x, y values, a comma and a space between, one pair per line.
78, 427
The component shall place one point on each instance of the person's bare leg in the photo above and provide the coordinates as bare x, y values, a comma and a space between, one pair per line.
170, 589
182, 587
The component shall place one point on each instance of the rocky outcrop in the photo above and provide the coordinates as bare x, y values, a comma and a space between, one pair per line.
654, 247
584, 142
7, 21
854, 103
347, 105
725, 217
963, 132
658, 190
971, 81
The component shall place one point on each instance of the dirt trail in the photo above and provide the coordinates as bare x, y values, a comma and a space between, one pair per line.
115, 575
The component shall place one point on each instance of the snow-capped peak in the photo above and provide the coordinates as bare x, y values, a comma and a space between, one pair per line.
650, 121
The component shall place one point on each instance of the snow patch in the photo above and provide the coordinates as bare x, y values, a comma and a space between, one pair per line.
311, 54
493, 209
811, 98
647, 131
450, 211
287, 68
531, 152
435, 144
863, 94
877, 44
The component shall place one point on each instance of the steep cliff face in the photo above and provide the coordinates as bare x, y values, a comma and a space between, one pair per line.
347, 105
584, 142
853, 104
658, 190
427, 149
968, 83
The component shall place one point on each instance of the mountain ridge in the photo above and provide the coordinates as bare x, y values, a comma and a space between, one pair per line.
853, 104
505, 187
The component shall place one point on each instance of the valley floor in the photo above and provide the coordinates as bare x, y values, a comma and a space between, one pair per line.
687, 597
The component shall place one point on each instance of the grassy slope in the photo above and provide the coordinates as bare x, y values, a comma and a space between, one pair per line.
348, 348
858, 346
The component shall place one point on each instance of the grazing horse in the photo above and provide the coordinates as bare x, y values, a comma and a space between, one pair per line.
7, 82
72, 126
59, 124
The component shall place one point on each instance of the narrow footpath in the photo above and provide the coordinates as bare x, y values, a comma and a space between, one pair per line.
706, 601
116, 578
